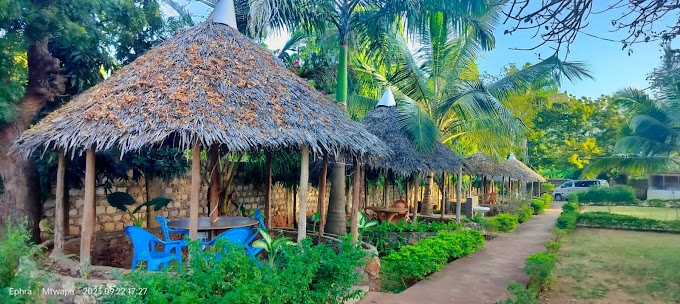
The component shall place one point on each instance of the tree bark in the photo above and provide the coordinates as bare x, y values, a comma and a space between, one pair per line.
268, 192
88, 221
415, 209
304, 182
355, 200
59, 204
427, 199
336, 219
195, 189
322, 194
459, 193
444, 200
214, 187
21, 196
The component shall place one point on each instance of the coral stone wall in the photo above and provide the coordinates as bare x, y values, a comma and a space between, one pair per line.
109, 218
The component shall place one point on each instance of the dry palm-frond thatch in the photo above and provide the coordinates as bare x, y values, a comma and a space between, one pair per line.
405, 159
480, 163
518, 170
208, 83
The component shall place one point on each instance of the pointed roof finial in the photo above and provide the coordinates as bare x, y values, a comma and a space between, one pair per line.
387, 100
512, 156
224, 13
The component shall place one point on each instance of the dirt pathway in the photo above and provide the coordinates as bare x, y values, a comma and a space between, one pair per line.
484, 276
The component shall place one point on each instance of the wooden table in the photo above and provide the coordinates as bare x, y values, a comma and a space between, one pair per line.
388, 213
222, 223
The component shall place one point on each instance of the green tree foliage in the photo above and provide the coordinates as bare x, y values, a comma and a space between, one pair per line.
568, 133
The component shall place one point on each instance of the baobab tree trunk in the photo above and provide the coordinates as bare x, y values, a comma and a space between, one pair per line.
427, 199
336, 219
21, 196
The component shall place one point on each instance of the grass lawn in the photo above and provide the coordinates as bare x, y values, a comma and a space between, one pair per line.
664, 214
614, 266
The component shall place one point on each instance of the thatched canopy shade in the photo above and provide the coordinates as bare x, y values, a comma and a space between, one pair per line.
517, 169
480, 163
405, 158
208, 83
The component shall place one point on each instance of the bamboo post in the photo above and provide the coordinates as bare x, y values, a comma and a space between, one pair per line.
268, 191
354, 229
195, 189
59, 204
322, 194
304, 181
459, 190
415, 209
87, 224
214, 188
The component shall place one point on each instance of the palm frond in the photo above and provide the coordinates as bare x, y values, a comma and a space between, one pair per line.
417, 125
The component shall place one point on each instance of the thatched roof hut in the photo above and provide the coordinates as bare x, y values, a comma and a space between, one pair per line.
208, 83
405, 158
518, 170
480, 163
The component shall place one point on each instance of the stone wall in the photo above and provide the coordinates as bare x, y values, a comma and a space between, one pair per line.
109, 218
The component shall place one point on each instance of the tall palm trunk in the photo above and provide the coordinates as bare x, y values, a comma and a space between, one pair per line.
21, 196
336, 222
427, 199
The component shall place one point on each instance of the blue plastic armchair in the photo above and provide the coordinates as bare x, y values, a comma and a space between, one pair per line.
250, 249
166, 231
145, 249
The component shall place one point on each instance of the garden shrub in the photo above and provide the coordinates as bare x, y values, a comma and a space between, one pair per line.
379, 235
19, 260
520, 295
540, 267
301, 274
547, 199
614, 220
405, 267
538, 206
618, 195
567, 220
547, 187
524, 213
505, 222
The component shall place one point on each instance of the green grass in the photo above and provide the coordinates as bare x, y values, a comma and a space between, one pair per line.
614, 266
664, 214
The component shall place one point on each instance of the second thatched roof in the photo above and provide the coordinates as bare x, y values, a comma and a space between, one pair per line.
405, 158
518, 170
211, 84
480, 163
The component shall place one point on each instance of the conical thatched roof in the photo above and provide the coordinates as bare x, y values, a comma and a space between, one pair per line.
208, 83
480, 163
518, 170
405, 159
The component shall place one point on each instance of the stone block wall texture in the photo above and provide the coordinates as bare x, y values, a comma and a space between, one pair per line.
109, 218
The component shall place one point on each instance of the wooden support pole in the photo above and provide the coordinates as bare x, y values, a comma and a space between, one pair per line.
459, 193
322, 194
415, 205
87, 224
268, 191
304, 181
444, 199
59, 207
386, 188
195, 189
355, 200
214, 187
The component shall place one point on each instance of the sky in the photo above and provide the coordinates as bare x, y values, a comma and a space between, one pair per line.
613, 69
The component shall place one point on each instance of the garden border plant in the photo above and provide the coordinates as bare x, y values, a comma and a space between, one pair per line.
407, 266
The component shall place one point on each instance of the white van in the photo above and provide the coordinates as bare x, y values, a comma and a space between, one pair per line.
563, 191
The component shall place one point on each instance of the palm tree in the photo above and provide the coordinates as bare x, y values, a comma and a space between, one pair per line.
441, 93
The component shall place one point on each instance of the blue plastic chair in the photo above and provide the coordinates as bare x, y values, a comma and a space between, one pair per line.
166, 231
145, 249
250, 249
234, 235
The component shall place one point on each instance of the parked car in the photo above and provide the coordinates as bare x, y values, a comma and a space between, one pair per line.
573, 186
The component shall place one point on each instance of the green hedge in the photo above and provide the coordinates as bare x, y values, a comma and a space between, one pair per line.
567, 219
614, 220
505, 222
541, 267
619, 195
524, 213
413, 263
